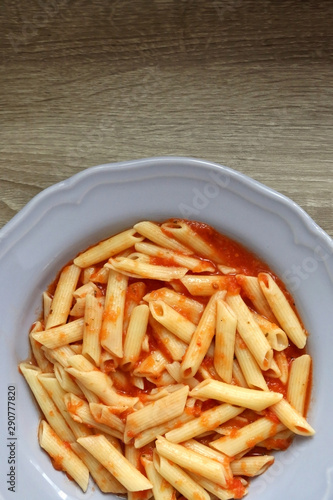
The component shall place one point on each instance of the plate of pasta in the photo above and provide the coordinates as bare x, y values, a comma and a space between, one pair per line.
165, 335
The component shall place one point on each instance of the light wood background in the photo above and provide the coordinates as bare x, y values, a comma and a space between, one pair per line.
245, 83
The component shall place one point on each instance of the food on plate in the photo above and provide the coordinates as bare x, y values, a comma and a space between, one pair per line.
168, 361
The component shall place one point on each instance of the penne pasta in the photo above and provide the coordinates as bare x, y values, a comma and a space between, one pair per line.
208, 420
251, 332
135, 335
250, 368
49, 409
62, 455
137, 267
181, 481
276, 337
105, 249
188, 307
226, 323
251, 466
162, 490
282, 310
298, 382
252, 290
115, 463
93, 316
201, 338
235, 395
63, 296
154, 233
205, 285
190, 460
192, 263
292, 419
61, 335
112, 326
187, 236
246, 437
156, 413
102, 477
172, 320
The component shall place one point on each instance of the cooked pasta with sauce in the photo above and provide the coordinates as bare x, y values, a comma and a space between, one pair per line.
168, 362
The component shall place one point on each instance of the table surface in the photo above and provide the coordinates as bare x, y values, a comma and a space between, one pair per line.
248, 84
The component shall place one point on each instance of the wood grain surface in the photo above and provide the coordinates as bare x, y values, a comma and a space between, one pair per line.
248, 84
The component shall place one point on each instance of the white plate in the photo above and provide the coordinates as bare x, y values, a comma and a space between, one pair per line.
68, 217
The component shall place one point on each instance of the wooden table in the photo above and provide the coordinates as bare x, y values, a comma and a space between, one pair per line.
248, 84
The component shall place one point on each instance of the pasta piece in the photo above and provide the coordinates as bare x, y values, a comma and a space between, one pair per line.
156, 413
65, 381
115, 463
149, 435
104, 480
251, 466
298, 382
226, 323
59, 354
63, 296
105, 249
152, 366
175, 371
251, 332
187, 236
135, 334
57, 394
208, 420
250, 369
181, 481
162, 490
42, 361
212, 487
172, 344
194, 264
204, 450
282, 310
103, 414
78, 309
62, 454
201, 338
84, 290
172, 320
61, 335
47, 301
154, 233
234, 395
112, 325
246, 437
93, 316
190, 308
133, 456
282, 362
141, 268
49, 409
101, 276
292, 419
252, 290
237, 374
79, 410
276, 337
134, 296
99, 383
205, 285
190, 460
